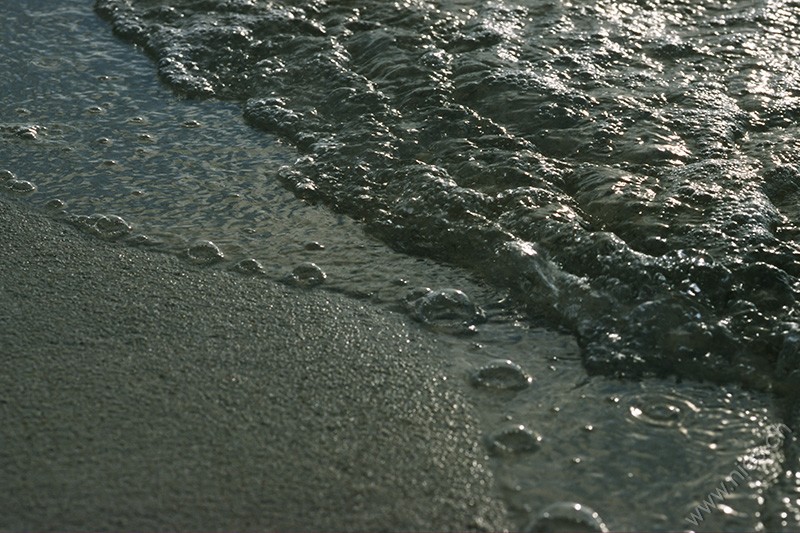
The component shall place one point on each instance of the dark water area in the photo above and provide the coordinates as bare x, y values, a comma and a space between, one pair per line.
601, 187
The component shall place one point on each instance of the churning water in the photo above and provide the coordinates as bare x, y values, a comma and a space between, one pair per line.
625, 170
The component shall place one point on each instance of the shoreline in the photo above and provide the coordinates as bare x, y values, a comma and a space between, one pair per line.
144, 393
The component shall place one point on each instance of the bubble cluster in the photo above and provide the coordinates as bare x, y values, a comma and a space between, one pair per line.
108, 227
30, 133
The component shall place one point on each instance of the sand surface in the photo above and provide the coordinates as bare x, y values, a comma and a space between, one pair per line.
142, 393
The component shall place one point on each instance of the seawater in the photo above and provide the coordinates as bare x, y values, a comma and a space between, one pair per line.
610, 185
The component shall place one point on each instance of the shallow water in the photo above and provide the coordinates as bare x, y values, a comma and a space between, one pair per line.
624, 172
615, 163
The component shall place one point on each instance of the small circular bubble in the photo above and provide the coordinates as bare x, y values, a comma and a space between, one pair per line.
513, 440
501, 374
20, 186
95, 110
6, 175
306, 275
567, 517
104, 140
249, 266
204, 253
449, 310
314, 245
192, 124
111, 226
55, 203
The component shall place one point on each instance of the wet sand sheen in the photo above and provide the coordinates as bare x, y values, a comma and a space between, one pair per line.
140, 394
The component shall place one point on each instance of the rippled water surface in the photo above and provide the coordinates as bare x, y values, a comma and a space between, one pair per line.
596, 185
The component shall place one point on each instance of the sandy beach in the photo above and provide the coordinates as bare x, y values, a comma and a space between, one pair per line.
142, 393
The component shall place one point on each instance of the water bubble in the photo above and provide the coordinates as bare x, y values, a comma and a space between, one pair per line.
6, 175
192, 124
314, 245
55, 203
501, 374
108, 227
661, 410
566, 516
27, 132
249, 266
449, 310
204, 253
20, 186
306, 275
513, 440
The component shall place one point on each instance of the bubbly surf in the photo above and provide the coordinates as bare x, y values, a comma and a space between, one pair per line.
628, 168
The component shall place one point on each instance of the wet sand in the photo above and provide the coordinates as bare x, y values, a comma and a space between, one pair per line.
142, 393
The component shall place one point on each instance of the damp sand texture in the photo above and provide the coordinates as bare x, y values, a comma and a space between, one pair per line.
139, 394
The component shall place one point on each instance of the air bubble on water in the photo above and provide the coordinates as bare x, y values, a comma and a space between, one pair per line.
314, 245
448, 310
55, 203
6, 175
513, 440
249, 266
306, 275
108, 227
192, 124
28, 132
566, 516
204, 253
501, 374
20, 186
